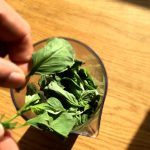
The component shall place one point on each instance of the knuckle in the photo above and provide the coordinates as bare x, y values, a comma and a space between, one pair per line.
26, 30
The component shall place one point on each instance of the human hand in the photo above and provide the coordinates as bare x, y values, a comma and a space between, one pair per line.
15, 41
6, 140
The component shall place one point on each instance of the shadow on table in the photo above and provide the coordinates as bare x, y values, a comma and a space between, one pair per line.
35, 139
141, 140
143, 3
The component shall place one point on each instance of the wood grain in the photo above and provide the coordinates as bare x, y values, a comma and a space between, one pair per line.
118, 30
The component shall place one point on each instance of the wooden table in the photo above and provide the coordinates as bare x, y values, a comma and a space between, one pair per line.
119, 31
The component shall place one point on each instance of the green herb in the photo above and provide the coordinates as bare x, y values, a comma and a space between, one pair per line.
52, 106
64, 123
40, 120
56, 56
67, 95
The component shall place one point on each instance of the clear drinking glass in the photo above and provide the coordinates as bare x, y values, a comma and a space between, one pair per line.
96, 69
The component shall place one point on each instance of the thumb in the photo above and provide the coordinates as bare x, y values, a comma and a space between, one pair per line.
10, 74
6, 141
2, 132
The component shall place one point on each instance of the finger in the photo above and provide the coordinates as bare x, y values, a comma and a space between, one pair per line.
16, 32
10, 75
2, 131
12, 25
26, 67
7, 142
21, 51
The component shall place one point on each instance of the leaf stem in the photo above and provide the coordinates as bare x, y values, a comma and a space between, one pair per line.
12, 118
22, 125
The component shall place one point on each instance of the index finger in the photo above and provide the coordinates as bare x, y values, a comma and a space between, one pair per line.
15, 31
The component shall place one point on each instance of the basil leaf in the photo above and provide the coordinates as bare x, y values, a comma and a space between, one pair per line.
40, 108
88, 95
71, 82
71, 86
87, 79
55, 104
52, 106
43, 119
78, 79
64, 124
77, 64
88, 98
9, 125
45, 80
56, 56
29, 100
78, 120
84, 118
32, 89
69, 97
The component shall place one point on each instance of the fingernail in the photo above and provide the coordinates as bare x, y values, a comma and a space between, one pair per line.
16, 79
15, 76
2, 131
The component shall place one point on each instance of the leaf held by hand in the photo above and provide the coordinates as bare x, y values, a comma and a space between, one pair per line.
9, 125
56, 56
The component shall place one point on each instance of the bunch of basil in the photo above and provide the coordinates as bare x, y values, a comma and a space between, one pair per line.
67, 96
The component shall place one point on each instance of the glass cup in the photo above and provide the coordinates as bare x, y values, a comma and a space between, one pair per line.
96, 69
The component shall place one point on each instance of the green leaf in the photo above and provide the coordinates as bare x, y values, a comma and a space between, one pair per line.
88, 95
78, 79
55, 104
52, 106
64, 124
45, 80
87, 86
71, 82
71, 86
87, 79
84, 118
56, 56
86, 107
9, 125
30, 100
74, 111
69, 97
77, 64
78, 120
32, 89
40, 108
43, 119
